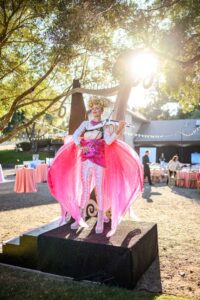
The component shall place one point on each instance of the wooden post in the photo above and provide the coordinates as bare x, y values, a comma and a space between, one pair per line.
78, 110
121, 102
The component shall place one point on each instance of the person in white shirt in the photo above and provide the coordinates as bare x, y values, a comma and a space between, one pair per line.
173, 165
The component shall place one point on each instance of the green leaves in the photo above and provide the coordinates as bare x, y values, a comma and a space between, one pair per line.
85, 38
17, 118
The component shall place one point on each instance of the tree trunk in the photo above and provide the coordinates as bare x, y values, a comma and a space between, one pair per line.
78, 111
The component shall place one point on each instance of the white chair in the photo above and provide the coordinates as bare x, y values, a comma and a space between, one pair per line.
49, 161
27, 163
35, 156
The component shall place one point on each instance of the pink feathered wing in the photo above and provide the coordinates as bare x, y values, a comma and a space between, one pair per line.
122, 180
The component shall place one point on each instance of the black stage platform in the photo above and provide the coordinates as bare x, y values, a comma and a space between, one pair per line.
120, 260
84, 255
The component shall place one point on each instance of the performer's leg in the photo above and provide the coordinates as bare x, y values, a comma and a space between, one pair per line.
132, 214
98, 172
86, 176
113, 229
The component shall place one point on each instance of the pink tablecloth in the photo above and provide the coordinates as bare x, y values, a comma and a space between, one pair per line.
41, 173
157, 175
25, 181
1, 175
190, 179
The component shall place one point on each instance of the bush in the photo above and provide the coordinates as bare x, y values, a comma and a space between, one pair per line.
57, 141
26, 146
43, 143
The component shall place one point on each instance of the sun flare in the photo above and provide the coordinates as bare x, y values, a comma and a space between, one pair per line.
143, 65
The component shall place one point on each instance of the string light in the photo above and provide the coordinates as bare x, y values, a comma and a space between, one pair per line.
194, 132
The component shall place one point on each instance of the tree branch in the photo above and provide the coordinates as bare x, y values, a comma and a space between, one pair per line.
102, 92
5, 119
167, 5
19, 128
14, 69
181, 63
32, 102
18, 23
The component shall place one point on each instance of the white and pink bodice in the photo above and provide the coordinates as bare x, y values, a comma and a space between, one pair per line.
94, 135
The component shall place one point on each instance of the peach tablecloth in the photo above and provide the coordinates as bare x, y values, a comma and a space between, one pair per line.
157, 175
41, 173
25, 181
1, 175
190, 179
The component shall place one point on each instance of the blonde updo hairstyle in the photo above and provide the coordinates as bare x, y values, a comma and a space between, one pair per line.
102, 102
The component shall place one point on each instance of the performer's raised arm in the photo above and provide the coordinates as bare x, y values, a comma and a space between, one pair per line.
78, 132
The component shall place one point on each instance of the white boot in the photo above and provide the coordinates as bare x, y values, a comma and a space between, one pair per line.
67, 217
112, 231
132, 215
81, 222
74, 225
100, 222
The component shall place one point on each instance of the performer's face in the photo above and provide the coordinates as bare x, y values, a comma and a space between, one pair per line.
96, 111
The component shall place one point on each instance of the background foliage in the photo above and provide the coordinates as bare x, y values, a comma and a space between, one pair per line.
44, 45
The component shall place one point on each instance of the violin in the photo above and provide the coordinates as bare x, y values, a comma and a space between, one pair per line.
108, 121
114, 122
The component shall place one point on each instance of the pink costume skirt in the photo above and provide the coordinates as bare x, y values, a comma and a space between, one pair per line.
122, 179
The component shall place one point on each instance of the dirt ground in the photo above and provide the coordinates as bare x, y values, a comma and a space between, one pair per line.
175, 210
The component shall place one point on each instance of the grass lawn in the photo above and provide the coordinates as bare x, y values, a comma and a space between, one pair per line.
18, 284
11, 156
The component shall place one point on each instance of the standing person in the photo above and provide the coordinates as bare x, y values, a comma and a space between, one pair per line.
95, 157
173, 165
162, 160
146, 162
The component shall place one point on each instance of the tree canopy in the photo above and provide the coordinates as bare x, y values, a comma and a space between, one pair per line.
175, 36
44, 45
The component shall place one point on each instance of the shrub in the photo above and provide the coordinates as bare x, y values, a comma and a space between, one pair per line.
43, 143
25, 146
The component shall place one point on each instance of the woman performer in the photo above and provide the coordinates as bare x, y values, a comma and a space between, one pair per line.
95, 156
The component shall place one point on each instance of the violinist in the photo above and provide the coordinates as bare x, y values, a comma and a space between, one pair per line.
98, 159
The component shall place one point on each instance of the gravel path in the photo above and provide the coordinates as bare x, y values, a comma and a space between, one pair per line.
175, 210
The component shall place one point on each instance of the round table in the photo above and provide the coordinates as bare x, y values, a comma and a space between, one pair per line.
189, 179
25, 181
157, 175
41, 173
